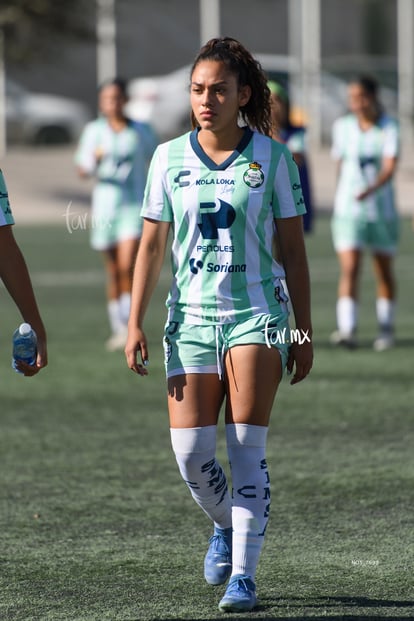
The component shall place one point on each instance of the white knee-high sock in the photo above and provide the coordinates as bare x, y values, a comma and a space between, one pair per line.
124, 307
114, 316
385, 309
346, 314
246, 446
195, 452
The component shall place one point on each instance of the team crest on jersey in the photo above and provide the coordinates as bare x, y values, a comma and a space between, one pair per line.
254, 177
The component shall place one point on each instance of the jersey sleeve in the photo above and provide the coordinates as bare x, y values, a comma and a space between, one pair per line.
391, 146
6, 216
85, 156
149, 138
287, 192
156, 204
337, 142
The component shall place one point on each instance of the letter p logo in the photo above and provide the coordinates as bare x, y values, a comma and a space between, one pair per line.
213, 219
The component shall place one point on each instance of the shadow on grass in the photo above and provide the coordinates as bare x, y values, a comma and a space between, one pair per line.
363, 344
299, 618
327, 606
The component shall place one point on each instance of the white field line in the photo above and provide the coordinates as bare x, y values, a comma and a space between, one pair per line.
67, 278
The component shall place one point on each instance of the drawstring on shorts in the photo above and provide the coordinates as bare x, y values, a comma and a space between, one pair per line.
268, 318
220, 350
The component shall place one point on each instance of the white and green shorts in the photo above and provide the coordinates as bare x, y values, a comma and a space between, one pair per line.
356, 234
190, 348
115, 217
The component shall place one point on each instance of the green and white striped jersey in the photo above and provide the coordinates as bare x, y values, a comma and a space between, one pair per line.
124, 157
223, 225
361, 154
6, 216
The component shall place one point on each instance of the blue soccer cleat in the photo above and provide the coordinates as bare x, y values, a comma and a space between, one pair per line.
240, 595
217, 562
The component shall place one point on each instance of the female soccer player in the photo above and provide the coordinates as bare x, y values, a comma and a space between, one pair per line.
294, 136
365, 143
16, 278
116, 151
220, 188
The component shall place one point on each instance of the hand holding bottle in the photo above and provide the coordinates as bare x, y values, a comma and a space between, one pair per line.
25, 351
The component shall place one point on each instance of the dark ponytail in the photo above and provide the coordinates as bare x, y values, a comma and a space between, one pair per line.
240, 62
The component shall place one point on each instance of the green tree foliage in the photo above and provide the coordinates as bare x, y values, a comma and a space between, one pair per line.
31, 28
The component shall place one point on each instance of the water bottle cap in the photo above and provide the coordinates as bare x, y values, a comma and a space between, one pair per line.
25, 329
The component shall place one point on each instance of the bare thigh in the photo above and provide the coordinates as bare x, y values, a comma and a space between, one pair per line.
112, 284
194, 400
253, 374
350, 263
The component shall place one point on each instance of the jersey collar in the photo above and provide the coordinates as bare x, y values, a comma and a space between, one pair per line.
207, 161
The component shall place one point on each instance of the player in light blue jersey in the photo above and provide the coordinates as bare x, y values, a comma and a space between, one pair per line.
116, 151
365, 143
16, 278
222, 189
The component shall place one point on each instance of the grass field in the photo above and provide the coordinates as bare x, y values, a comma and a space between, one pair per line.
95, 522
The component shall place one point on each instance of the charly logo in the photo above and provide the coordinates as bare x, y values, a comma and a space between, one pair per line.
178, 178
213, 218
254, 177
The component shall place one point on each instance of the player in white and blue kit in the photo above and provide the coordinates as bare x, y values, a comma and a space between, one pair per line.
220, 189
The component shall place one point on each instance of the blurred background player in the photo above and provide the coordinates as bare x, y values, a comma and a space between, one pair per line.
116, 151
365, 143
16, 278
294, 136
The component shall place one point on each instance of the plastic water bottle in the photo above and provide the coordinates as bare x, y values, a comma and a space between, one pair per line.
24, 345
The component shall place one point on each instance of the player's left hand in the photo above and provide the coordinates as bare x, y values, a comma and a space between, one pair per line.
137, 342
29, 370
301, 359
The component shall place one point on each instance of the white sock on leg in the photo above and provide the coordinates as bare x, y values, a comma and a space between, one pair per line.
124, 307
114, 316
385, 310
246, 446
346, 315
195, 450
